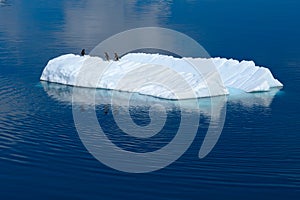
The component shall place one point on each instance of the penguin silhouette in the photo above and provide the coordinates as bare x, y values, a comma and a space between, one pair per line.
106, 56
82, 52
116, 57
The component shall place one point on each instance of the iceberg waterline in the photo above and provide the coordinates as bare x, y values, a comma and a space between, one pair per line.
160, 76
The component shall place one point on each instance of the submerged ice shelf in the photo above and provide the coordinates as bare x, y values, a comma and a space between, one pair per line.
160, 76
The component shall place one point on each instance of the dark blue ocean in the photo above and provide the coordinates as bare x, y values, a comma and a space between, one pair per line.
257, 156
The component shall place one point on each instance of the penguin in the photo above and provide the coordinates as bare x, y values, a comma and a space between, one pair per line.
82, 52
106, 56
116, 57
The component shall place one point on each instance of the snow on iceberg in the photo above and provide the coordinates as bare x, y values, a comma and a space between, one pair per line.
140, 72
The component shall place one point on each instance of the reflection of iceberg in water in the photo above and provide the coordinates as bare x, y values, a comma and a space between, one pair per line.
263, 99
93, 97
84, 100
85, 96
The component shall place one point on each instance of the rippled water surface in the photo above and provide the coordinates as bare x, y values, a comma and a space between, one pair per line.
257, 156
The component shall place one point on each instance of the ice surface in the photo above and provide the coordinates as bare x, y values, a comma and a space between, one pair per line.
160, 76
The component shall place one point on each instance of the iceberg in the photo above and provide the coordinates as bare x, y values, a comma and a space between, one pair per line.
160, 76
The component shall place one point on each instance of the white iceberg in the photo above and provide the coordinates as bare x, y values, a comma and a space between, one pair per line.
160, 76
